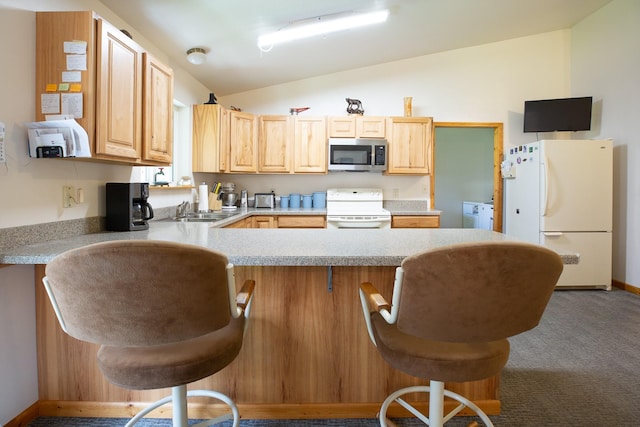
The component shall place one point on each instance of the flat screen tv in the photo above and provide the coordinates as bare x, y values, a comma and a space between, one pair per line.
564, 114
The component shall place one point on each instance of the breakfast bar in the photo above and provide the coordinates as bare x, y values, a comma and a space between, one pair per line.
306, 354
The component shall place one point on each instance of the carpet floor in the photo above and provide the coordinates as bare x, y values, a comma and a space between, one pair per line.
579, 367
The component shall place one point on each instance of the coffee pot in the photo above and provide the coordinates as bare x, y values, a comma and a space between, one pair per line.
128, 208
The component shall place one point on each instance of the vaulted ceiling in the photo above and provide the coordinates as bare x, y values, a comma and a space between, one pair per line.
228, 29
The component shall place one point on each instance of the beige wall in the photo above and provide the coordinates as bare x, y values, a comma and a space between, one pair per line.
605, 63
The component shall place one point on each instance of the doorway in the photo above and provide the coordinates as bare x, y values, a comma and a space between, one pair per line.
489, 137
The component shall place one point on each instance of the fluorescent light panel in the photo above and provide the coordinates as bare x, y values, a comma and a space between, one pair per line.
322, 27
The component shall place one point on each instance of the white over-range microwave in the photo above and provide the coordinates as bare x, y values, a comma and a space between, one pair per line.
357, 154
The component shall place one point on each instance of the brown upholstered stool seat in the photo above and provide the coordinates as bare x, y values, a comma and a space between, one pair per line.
165, 315
452, 311
168, 365
439, 360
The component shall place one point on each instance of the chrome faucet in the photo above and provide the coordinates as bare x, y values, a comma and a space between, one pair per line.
183, 209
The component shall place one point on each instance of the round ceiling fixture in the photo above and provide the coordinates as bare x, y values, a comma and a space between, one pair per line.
196, 55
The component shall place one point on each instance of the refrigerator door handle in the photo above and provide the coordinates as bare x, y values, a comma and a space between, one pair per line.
553, 233
546, 186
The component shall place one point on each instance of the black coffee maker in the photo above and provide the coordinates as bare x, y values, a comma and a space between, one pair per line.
127, 206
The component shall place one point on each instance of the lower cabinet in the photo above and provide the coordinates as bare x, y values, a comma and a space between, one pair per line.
302, 221
264, 221
320, 221
243, 223
281, 221
415, 221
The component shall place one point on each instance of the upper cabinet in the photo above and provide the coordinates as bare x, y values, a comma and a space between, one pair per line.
106, 87
210, 135
157, 132
310, 145
275, 141
410, 145
119, 94
243, 142
357, 127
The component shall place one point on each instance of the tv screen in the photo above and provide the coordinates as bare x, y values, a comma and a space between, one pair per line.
565, 114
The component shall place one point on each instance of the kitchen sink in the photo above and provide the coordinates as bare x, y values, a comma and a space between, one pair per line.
205, 216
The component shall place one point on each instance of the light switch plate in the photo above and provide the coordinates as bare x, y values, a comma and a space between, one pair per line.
3, 155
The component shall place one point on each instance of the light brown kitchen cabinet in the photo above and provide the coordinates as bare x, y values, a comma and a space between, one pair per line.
275, 141
410, 145
243, 223
310, 145
210, 138
119, 94
111, 87
264, 221
302, 221
157, 132
243, 142
357, 126
415, 221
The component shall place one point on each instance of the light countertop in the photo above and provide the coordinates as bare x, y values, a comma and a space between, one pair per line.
276, 247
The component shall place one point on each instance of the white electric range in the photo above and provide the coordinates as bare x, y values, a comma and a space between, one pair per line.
356, 208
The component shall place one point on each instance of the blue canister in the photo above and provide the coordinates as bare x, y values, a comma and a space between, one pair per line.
319, 199
307, 201
284, 202
294, 200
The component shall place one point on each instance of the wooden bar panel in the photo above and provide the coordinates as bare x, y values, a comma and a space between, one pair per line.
306, 347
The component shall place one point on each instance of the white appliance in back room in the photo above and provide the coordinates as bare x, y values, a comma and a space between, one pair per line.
559, 193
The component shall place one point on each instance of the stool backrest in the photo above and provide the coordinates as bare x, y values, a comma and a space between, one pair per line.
476, 292
139, 292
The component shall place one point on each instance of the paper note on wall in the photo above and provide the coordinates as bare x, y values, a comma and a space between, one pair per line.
72, 104
50, 103
71, 76
76, 62
76, 47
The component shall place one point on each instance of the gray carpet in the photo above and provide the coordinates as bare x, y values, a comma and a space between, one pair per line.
579, 367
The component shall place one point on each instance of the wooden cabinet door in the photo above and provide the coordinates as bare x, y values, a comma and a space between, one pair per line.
274, 143
310, 149
157, 132
243, 142
210, 138
262, 221
410, 145
243, 223
301, 221
370, 127
342, 127
415, 221
119, 94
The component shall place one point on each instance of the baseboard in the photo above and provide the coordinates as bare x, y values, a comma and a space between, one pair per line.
25, 417
625, 287
57, 408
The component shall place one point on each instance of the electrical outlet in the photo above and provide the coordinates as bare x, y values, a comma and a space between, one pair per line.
3, 154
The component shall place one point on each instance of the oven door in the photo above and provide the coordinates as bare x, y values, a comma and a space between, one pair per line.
358, 221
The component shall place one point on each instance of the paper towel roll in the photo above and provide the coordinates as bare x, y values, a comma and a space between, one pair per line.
203, 197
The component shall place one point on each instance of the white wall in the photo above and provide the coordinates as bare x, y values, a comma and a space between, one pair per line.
605, 63
18, 368
486, 83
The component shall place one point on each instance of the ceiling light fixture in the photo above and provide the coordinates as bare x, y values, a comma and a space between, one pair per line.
196, 55
320, 25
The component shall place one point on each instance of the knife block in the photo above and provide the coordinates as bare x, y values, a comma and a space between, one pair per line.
214, 203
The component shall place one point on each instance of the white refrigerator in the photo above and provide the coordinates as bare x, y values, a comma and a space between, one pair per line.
559, 193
